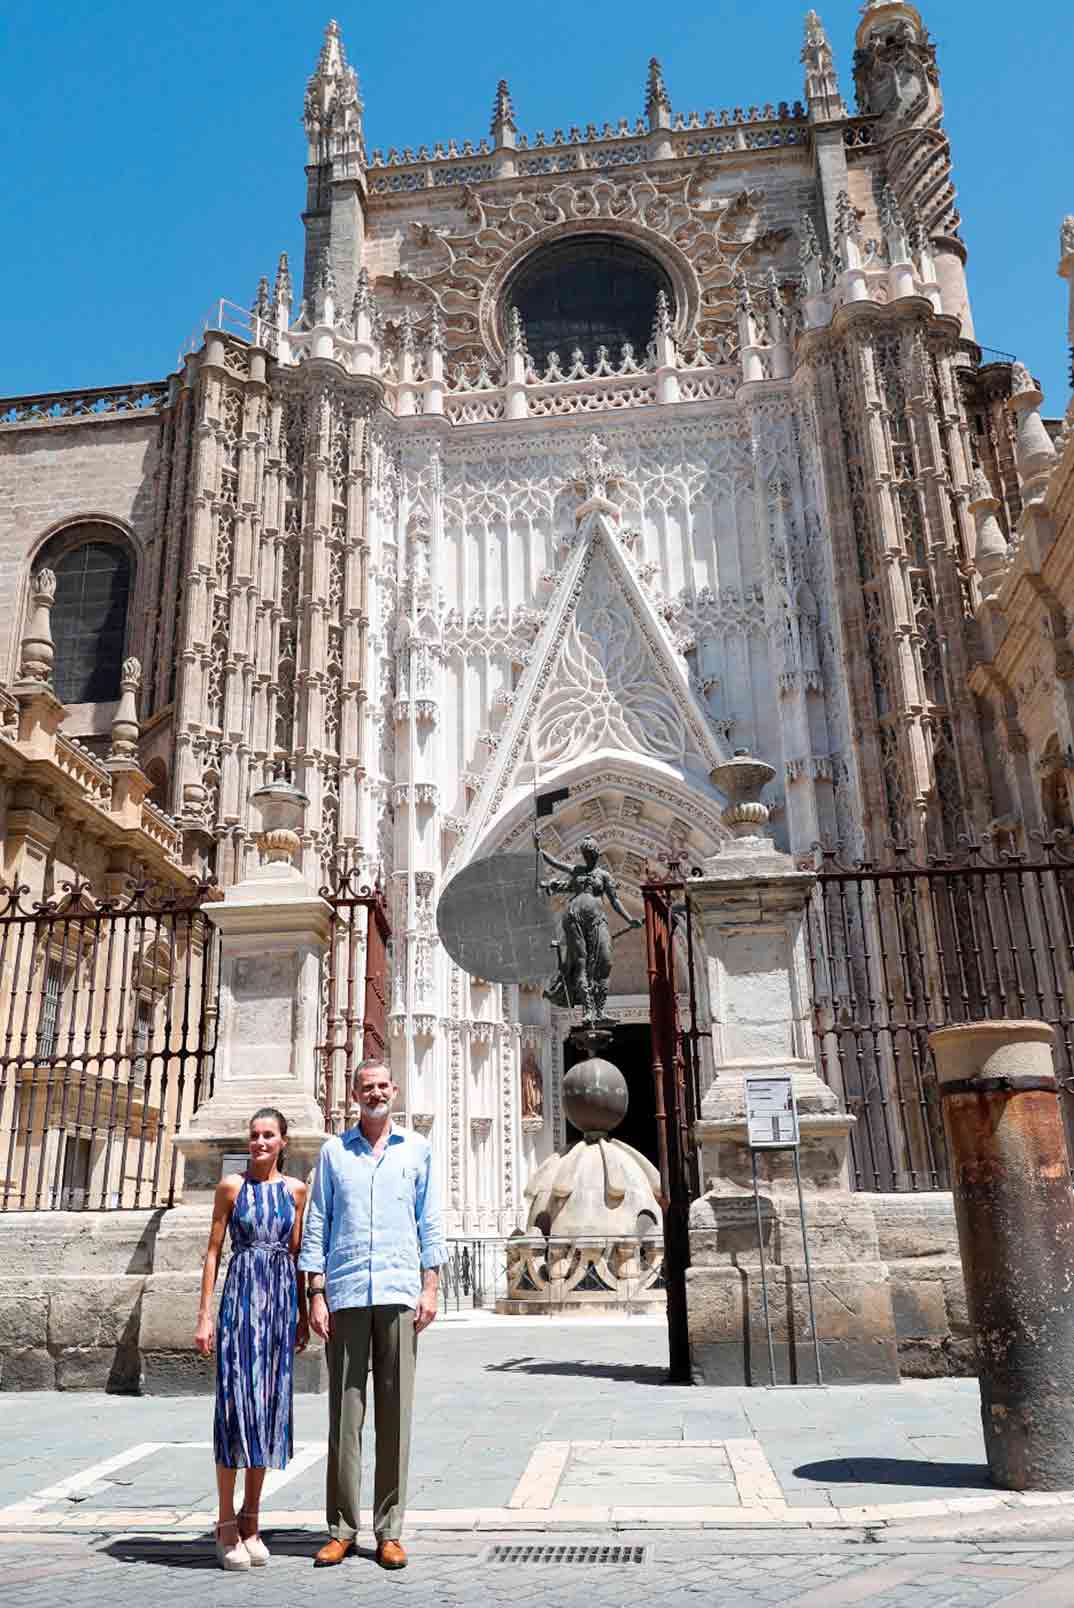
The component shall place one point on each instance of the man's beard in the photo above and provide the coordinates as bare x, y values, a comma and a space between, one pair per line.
368, 1109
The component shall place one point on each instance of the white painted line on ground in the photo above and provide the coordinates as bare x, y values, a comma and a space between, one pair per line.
306, 1454
78, 1482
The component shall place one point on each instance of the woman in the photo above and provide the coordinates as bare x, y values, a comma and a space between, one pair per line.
262, 1323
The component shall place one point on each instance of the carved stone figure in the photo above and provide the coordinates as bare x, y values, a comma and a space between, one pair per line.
585, 944
532, 1084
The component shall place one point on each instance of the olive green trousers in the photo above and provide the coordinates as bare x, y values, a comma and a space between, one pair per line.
386, 1336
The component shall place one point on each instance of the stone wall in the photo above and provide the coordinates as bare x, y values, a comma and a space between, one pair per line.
109, 1301
918, 1241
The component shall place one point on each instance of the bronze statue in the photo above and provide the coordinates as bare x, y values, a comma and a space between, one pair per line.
584, 949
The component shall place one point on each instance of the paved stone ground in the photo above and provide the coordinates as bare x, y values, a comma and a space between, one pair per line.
544, 1432
732, 1571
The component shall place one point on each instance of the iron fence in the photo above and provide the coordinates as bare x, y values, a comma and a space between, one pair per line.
899, 950
107, 1033
356, 985
545, 1274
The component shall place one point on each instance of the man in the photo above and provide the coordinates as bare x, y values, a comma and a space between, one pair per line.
372, 1248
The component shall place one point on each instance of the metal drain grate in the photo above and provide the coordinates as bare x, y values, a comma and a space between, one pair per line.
535, 1552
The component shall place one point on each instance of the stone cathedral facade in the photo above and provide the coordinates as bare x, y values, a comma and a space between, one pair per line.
579, 460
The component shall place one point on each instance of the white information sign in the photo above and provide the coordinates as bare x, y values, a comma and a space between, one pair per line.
771, 1114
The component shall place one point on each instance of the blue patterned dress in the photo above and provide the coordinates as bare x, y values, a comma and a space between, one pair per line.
255, 1333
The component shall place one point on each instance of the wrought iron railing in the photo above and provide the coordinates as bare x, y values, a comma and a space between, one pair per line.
899, 950
107, 1033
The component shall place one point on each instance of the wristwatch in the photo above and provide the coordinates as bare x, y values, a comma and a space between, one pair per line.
314, 1289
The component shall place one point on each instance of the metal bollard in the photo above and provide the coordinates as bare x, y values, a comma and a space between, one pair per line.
1015, 1210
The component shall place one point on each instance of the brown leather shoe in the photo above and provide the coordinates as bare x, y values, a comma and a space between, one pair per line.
332, 1552
390, 1555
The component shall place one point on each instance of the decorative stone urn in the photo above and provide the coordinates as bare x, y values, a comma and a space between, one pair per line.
741, 780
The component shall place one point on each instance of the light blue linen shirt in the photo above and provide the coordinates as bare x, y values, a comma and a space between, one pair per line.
372, 1222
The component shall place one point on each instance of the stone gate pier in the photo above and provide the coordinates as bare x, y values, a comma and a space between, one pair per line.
750, 907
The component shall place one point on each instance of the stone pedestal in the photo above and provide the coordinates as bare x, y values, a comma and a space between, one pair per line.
274, 930
750, 908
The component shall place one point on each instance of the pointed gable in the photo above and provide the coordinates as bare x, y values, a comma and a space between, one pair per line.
604, 678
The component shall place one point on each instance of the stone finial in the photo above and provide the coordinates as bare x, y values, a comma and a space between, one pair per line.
38, 650
1022, 381
595, 479
661, 315
125, 728
657, 102
822, 91
516, 332
1066, 236
503, 127
437, 340
990, 551
363, 296
893, 225
262, 301
407, 337
282, 291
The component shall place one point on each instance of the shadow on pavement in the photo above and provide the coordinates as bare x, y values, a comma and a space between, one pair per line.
895, 1471
196, 1552
622, 1372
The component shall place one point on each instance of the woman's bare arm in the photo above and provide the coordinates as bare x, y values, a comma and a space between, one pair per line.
227, 1192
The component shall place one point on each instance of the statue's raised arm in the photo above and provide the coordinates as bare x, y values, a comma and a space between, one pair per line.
550, 859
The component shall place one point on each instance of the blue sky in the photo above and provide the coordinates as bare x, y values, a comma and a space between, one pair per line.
153, 156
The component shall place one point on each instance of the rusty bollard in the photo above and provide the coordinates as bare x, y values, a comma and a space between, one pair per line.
1015, 1210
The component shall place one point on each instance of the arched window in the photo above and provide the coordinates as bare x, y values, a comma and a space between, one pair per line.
588, 291
89, 616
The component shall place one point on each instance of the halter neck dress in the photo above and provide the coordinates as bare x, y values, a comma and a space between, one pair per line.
255, 1332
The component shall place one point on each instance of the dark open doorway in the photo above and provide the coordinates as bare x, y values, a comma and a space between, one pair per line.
632, 1052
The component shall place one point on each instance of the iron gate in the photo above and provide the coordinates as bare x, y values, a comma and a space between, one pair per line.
356, 990
107, 1032
899, 950
676, 1089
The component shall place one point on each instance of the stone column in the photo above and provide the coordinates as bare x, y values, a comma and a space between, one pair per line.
1015, 1211
750, 906
274, 931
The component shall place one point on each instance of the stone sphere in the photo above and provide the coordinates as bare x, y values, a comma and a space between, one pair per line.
595, 1096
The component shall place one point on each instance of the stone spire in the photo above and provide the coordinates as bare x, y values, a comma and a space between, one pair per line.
657, 103
822, 93
335, 169
503, 128
333, 104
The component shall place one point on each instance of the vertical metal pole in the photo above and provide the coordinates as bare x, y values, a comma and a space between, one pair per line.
764, 1274
808, 1268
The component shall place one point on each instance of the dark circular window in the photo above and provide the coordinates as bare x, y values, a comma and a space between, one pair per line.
586, 292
